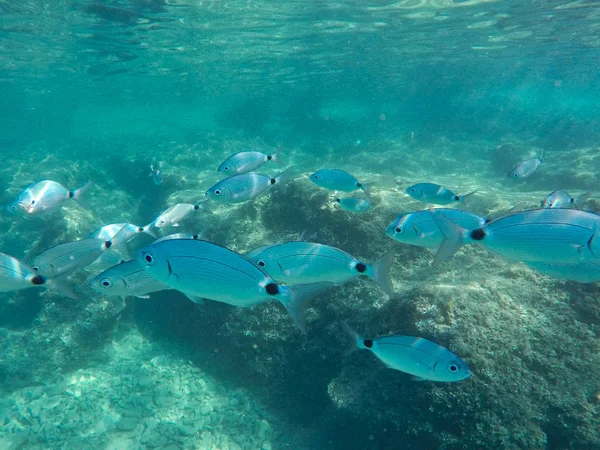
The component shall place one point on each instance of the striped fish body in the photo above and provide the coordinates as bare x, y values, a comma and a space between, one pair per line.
419, 357
307, 262
16, 275
43, 197
354, 204
542, 235
63, 259
107, 232
335, 180
243, 162
582, 272
240, 188
432, 193
420, 229
125, 279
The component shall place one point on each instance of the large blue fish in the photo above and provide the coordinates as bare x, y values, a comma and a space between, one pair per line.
540, 235
243, 162
434, 193
339, 180
244, 187
526, 168
203, 269
423, 359
419, 228
308, 262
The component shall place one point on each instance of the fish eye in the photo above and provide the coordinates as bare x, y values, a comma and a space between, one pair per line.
32, 202
453, 367
149, 258
398, 230
217, 192
261, 263
225, 168
36, 268
315, 176
515, 175
105, 282
412, 189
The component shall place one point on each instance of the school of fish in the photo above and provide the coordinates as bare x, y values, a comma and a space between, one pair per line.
559, 240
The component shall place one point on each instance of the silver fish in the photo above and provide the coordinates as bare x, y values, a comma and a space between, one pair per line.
339, 180
244, 187
207, 270
526, 168
562, 199
125, 279
45, 197
243, 162
64, 259
172, 216
559, 236
423, 359
434, 193
16, 275
127, 231
155, 174
352, 204
299, 262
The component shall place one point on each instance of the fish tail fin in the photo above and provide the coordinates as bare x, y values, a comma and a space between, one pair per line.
466, 196
78, 193
580, 200
148, 229
381, 273
297, 299
454, 237
368, 190
542, 156
285, 176
275, 155
355, 339
62, 287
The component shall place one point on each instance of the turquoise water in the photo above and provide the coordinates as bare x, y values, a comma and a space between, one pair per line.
452, 92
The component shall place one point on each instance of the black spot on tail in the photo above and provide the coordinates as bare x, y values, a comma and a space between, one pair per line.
273, 181
269, 158
361, 267
107, 244
457, 197
338, 200
272, 289
71, 194
196, 207
368, 343
38, 280
478, 234
360, 185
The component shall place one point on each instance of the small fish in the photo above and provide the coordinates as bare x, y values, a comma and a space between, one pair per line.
582, 272
63, 259
126, 279
423, 359
45, 197
243, 162
16, 275
180, 236
354, 204
155, 174
559, 236
172, 216
434, 193
419, 228
339, 180
562, 199
307, 262
244, 187
526, 168
206, 270
128, 231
